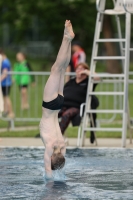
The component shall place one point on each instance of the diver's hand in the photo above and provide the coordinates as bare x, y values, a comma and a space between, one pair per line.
48, 176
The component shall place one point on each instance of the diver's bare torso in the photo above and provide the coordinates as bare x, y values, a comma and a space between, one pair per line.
50, 130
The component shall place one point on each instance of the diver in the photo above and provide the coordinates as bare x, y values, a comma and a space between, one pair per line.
52, 103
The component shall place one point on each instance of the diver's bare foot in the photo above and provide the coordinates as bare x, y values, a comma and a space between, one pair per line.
68, 32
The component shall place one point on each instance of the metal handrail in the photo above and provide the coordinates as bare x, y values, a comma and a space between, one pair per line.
97, 7
114, 2
125, 7
36, 73
81, 109
100, 74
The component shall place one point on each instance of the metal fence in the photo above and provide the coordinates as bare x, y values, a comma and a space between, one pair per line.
35, 95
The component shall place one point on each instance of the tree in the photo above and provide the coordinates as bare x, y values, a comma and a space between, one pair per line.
48, 16
51, 16
113, 66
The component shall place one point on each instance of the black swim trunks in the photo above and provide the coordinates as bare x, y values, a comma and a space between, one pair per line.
55, 104
6, 90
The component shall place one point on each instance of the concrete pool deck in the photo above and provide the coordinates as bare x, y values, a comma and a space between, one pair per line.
36, 142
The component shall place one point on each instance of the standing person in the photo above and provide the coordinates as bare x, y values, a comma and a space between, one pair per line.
75, 91
78, 56
6, 83
52, 102
1, 95
23, 80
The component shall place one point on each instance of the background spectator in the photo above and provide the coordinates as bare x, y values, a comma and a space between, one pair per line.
78, 56
6, 83
75, 91
23, 80
1, 95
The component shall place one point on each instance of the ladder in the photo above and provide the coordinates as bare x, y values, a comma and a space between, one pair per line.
124, 7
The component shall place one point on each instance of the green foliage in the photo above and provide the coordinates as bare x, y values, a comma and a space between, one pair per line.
47, 18
27, 133
70, 133
50, 16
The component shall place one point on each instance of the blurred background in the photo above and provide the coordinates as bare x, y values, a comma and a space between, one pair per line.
36, 28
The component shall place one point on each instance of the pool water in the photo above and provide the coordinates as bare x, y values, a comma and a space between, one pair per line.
94, 174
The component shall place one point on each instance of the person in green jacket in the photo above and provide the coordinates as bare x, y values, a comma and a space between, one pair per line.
23, 80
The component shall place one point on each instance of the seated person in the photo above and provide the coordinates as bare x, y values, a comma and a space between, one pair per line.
75, 91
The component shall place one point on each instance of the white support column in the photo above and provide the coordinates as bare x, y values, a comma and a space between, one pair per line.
126, 70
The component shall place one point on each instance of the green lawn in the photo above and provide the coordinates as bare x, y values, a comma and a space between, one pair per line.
71, 132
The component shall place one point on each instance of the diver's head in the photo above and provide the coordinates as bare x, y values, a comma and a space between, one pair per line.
57, 161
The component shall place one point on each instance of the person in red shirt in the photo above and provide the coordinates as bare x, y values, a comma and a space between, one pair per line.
78, 56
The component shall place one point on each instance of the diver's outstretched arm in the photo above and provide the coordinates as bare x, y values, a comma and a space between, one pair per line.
47, 162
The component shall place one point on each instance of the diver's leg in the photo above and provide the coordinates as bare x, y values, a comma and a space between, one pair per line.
51, 89
62, 76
